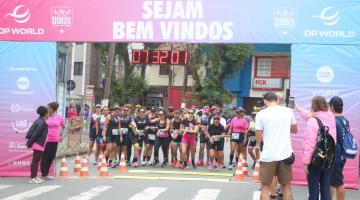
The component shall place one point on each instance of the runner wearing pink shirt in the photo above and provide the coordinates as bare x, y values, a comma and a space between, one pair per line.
55, 123
237, 131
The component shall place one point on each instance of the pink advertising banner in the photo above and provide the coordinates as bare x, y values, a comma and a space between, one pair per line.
27, 80
326, 70
195, 21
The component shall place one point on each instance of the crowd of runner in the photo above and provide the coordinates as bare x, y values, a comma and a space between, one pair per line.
145, 131
180, 134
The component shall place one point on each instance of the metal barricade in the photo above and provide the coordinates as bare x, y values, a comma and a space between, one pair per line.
75, 138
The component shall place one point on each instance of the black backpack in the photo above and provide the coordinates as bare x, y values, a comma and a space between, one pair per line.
324, 155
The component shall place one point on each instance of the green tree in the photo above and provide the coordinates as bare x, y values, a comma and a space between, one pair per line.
125, 84
222, 61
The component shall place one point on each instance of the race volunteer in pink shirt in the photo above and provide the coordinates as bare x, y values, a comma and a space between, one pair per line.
55, 122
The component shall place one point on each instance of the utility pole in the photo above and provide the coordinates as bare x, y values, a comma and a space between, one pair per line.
110, 66
185, 80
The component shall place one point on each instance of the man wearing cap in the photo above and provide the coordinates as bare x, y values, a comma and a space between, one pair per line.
337, 177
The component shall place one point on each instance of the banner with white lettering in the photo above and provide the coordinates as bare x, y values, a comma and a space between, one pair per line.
27, 80
194, 21
326, 70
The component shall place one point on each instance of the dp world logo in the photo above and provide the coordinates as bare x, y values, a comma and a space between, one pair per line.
20, 14
328, 16
325, 74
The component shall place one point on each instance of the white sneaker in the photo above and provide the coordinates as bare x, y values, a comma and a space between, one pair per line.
34, 181
40, 179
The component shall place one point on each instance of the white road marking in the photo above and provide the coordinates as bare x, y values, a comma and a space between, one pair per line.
4, 186
33, 192
207, 194
256, 195
94, 192
149, 193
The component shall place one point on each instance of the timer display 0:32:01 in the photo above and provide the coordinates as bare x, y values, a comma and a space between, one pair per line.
161, 57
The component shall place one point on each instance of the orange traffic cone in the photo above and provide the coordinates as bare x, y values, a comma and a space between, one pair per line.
100, 159
84, 172
64, 168
104, 172
239, 175
244, 166
256, 174
77, 167
122, 165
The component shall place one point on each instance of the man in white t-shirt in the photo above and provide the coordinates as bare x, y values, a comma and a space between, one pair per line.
273, 127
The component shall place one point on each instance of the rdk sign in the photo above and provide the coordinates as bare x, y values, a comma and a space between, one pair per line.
21, 15
329, 17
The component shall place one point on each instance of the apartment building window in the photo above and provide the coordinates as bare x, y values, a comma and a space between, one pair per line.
164, 70
272, 67
78, 68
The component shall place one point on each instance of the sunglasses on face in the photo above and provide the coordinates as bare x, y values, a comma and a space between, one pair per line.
126, 110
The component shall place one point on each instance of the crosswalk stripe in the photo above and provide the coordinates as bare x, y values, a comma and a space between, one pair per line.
256, 195
94, 192
149, 193
33, 192
207, 194
4, 186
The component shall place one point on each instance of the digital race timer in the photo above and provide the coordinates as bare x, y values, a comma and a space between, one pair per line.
161, 57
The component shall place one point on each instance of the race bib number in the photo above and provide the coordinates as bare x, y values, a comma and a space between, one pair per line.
141, 132
162, 132
151, 137
125, 131
115, 132
252, 139
235, 136
217, 139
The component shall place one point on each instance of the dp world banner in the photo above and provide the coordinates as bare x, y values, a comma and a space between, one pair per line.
27, 80
326, 70
196, 21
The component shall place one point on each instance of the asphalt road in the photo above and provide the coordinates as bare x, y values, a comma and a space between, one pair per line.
86, 189
144, 183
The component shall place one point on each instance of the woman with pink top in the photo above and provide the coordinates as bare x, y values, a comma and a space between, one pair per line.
55, 124
316, 176
36, 140
238, 132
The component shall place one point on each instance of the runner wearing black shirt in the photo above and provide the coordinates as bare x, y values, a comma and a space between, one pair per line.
216, 133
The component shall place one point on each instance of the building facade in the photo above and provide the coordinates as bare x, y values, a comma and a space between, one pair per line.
83, 67
268, 69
